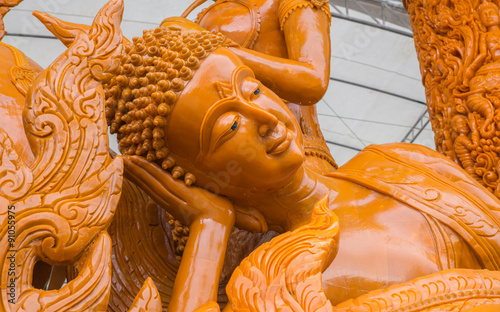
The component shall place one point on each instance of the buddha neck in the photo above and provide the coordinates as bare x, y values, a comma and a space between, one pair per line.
291, 206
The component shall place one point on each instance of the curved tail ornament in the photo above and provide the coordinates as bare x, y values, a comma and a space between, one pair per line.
58, 209
285, 274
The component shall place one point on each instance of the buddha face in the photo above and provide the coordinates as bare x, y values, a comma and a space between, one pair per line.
233, 133
489, 15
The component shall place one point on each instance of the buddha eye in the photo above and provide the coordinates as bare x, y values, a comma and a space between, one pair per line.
224, 129
250, 88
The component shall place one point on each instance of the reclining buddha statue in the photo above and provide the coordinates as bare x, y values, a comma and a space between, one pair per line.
397, 227
216, 127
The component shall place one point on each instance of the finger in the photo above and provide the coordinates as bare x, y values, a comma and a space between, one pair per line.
176, 187
191, 201
250, 220
171, 204
142, 179
155, 189
163, 188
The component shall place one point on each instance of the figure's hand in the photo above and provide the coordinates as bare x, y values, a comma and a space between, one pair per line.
187, 202
184, 203
250, 219
10, 3
210, 218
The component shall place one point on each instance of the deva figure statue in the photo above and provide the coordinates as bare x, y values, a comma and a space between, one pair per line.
187, 108
206, 140
287, 45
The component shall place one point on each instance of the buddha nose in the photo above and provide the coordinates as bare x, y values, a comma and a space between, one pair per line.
268, 123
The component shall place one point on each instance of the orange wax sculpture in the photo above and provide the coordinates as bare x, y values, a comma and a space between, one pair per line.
458, 49
399, 227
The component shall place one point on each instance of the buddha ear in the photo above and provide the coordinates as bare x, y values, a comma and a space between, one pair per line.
64, 31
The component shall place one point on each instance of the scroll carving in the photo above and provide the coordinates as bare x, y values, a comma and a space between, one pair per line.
71, 206
451, 290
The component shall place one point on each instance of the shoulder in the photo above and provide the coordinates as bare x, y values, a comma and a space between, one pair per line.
418, 160
286, 7
414, 155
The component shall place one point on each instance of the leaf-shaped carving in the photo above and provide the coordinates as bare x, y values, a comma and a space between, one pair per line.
64, 116
15, 177
285, 273
148, 298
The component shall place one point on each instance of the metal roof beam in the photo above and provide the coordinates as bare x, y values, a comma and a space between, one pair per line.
417, 128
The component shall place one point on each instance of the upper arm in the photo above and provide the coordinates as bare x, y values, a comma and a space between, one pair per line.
307, 34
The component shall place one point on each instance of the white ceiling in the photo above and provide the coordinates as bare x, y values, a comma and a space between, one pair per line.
375, 94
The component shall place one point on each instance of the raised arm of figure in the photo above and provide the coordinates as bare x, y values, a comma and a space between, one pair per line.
210, 218
5, 6
303, 77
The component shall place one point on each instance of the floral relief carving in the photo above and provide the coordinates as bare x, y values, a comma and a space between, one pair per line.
458, 45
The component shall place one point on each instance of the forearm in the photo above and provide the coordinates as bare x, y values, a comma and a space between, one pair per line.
294, 81
210, 218
197, 279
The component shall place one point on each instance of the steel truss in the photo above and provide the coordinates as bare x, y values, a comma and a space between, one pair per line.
386, 14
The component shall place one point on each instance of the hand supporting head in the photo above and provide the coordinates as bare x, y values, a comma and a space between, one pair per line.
184, 101
154, 71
